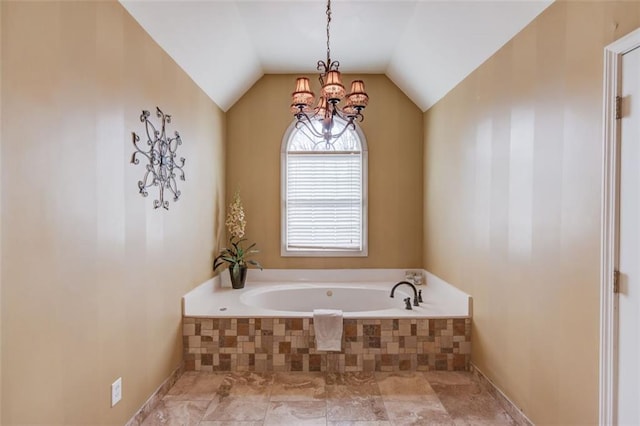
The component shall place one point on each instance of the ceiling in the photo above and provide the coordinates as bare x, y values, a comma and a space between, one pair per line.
425, 47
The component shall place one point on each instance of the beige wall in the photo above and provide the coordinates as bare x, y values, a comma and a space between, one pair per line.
393, 128
92, 276
512, 206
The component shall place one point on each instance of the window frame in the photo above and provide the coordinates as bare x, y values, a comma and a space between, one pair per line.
284, 251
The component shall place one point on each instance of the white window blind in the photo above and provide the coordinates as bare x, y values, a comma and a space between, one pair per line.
324, 204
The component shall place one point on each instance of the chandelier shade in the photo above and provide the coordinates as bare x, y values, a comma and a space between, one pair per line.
333, 90
332, 93
358, 98
303, 94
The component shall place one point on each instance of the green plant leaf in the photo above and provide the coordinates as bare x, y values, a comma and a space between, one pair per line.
217, 264
254, 263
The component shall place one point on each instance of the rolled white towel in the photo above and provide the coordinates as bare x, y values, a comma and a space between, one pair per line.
327, 324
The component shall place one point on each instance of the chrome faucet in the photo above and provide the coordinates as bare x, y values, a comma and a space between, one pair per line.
415, 292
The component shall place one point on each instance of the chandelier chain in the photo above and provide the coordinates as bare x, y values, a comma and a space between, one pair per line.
328, 25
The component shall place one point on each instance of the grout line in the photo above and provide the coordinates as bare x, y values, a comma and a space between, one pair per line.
510, 407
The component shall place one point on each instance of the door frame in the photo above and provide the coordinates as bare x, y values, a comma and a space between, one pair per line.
609, 232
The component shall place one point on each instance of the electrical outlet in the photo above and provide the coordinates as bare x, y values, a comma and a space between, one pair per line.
116, 391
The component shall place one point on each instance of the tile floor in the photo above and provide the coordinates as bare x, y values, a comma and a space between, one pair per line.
371, 399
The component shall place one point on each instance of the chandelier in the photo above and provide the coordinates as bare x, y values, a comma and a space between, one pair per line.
319, 121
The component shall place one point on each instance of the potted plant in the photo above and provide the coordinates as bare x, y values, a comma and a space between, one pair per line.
236, 257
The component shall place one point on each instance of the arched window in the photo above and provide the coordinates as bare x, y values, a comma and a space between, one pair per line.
324, 195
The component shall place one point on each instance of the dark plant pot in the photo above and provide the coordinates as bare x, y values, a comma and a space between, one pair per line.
238, 279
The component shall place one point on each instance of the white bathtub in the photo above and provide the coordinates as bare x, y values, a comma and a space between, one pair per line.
307, 297
360, 293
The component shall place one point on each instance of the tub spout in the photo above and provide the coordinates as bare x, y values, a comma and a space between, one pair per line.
415, 292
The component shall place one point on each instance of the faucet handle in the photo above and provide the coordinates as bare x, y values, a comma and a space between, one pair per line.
420, 296
407, 302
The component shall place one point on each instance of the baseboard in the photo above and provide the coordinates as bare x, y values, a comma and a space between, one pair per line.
511, 408
156, 396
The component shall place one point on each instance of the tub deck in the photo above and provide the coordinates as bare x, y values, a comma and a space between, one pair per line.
216, 299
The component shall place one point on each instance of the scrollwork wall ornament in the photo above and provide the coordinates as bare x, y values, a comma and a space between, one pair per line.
162, 164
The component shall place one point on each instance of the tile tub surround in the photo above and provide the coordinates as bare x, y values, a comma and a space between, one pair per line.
328, 399
288, 344
221, 333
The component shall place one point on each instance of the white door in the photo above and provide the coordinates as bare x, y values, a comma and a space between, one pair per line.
628, 339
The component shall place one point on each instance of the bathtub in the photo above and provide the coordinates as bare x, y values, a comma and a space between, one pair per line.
304, 298
360, 293
269, 325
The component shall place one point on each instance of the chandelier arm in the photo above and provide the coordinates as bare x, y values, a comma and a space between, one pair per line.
324, 69
349, 125
301, 114
306, 120
358, 116
309, 127
314, 140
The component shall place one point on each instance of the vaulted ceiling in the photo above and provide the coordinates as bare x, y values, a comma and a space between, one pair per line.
425, 47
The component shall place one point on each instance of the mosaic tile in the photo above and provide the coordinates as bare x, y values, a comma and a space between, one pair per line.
225, 344
243, 329
371, 329
189, 329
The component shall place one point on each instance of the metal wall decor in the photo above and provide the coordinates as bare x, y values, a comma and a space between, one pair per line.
162, 164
